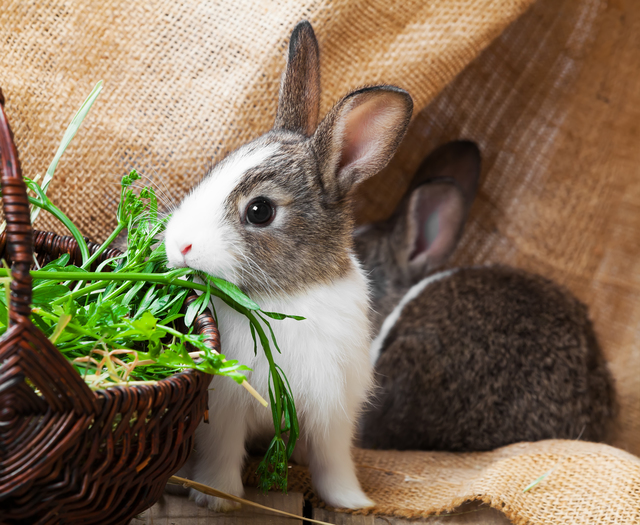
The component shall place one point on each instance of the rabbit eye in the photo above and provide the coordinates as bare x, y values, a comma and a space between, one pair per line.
260, 212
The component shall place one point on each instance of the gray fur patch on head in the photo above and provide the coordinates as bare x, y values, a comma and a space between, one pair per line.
309, 240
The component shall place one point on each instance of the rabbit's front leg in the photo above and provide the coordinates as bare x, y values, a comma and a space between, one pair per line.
219, 455
331, 465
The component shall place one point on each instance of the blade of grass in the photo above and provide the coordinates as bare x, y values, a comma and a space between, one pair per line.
549, 472
71, 131
7, 287
62, 324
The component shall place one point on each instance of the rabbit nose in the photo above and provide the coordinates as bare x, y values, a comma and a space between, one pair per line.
186, 249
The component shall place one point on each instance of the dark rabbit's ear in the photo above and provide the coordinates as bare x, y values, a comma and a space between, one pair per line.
442, 192
360, 135
457, 161
299, 99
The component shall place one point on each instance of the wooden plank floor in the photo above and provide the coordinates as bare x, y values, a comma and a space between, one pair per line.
178, 510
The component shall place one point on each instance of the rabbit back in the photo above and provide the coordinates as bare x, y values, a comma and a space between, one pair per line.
486, 357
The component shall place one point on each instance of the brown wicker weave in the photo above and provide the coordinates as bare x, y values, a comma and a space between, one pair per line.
70, 455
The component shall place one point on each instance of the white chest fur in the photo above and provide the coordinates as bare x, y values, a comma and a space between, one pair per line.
326, 360
324, 357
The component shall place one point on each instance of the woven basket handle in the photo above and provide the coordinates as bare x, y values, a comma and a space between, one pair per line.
17, 215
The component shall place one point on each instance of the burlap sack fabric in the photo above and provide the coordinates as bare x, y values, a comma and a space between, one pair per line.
588, 483
553, 101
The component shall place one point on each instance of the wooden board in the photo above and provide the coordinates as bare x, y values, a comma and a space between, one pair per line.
179, 510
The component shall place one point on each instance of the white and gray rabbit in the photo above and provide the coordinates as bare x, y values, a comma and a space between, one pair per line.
471, 358
274, 218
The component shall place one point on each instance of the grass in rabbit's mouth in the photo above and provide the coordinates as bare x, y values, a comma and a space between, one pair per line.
120, 327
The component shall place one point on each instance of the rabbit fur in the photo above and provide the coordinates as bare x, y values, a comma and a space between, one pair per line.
274, 217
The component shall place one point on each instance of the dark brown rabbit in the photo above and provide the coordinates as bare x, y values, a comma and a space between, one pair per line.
471, 358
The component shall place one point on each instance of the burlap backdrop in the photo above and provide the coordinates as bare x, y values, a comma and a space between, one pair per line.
554, 103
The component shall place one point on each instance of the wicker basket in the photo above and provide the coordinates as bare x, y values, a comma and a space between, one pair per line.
70, 455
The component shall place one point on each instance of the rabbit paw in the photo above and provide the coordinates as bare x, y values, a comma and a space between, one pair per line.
212, 502
346, 499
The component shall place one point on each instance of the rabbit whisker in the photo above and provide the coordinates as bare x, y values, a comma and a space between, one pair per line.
165, 191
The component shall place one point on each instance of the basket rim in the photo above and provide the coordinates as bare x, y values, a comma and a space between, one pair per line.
98, 391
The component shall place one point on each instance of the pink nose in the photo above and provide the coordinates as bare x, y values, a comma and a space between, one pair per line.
186, 249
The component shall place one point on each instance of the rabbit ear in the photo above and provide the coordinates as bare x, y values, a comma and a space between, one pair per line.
442, 192
458, 161
299, 99
360, 135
